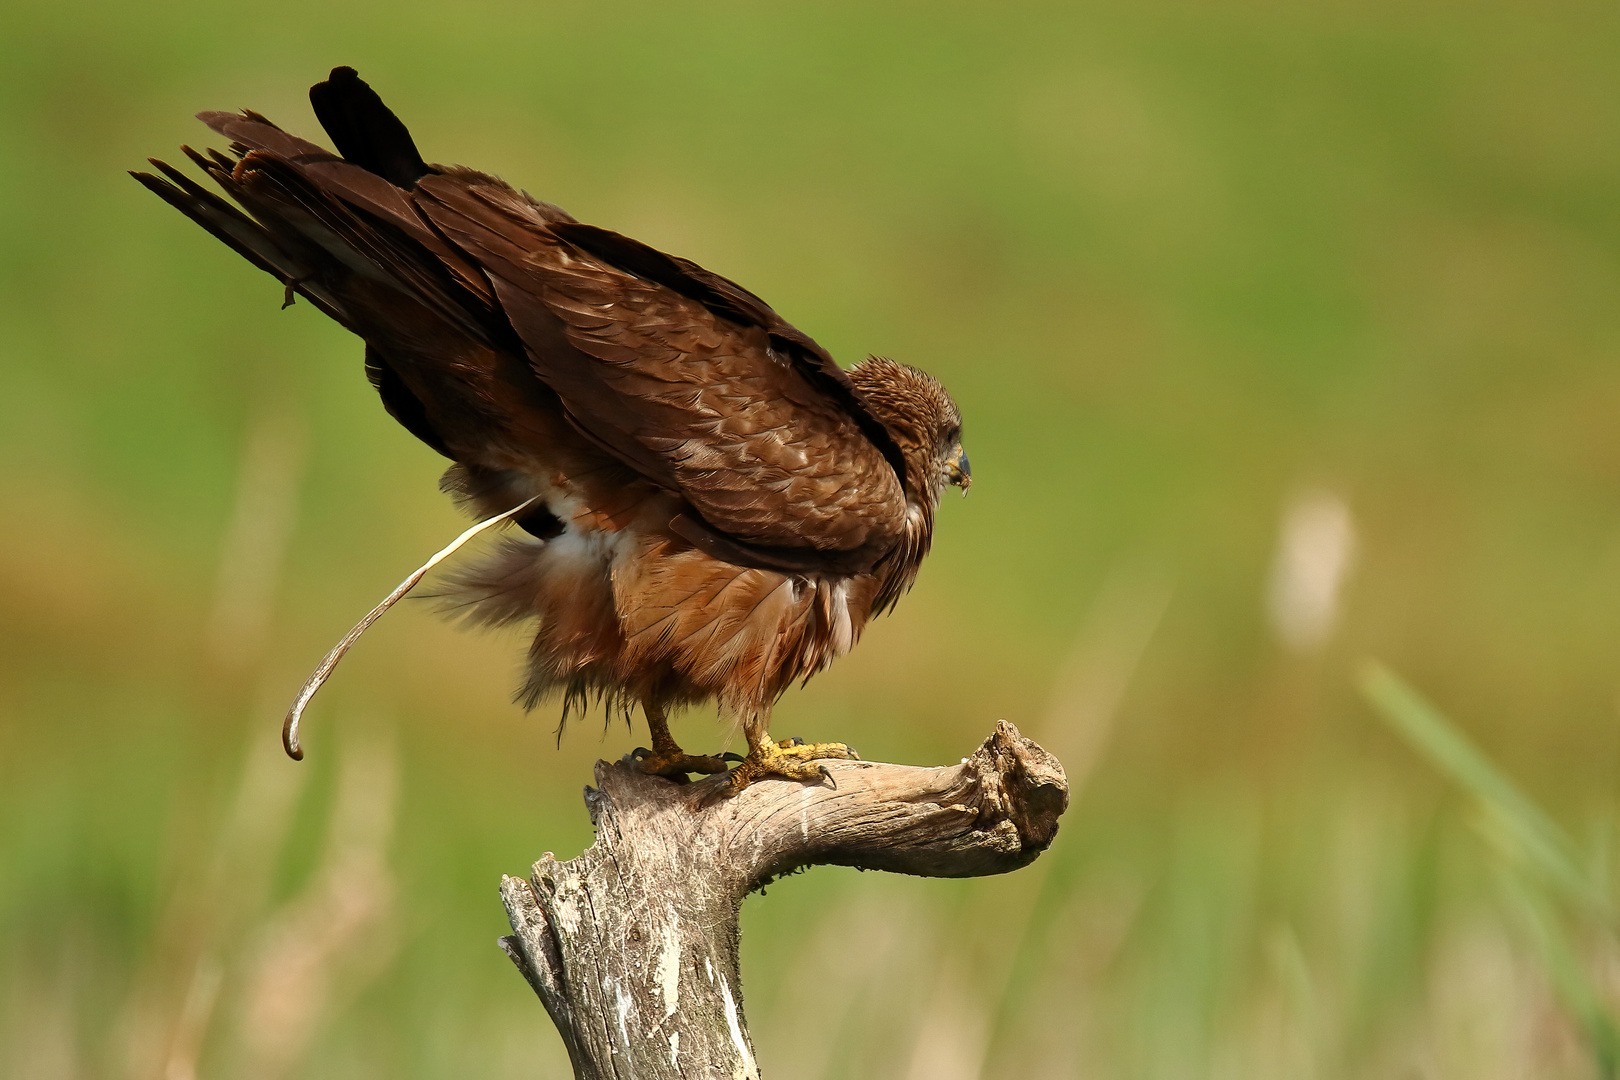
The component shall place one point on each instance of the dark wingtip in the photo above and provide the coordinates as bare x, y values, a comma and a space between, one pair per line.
366, 131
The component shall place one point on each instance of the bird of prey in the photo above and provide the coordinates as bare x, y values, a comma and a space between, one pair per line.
711, 507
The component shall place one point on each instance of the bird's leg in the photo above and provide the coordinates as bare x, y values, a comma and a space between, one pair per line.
794, 759
666, 758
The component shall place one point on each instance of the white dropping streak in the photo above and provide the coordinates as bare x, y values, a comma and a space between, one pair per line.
323, 670
1315, 550
669, 968
621, 1009
568, 911
750, 1069
674, 1047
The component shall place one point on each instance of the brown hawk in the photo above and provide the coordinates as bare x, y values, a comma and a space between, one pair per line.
715, 507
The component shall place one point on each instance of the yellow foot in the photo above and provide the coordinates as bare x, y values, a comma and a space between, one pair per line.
675, 763
793, 759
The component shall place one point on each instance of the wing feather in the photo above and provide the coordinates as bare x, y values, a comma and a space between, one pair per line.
688, 378
696, 401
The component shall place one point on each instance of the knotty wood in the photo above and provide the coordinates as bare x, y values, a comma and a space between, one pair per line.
632, 946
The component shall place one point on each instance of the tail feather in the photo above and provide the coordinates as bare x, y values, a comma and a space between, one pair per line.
277, 192
360, 249
349, 182
247, 237
300, 234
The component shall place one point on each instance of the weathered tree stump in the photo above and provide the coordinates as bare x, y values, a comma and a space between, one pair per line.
632, 946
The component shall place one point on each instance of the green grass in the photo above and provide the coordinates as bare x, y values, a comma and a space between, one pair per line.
1178, 262
1563, 902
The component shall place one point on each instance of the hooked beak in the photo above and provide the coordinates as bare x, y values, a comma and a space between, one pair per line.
957, 470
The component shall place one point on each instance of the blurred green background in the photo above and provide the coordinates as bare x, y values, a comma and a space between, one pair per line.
1287, 335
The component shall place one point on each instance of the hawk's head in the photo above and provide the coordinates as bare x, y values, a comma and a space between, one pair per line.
923, 421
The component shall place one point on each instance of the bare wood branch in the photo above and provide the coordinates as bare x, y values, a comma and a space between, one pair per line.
632, 946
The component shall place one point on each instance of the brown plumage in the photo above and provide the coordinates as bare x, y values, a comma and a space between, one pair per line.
721, 507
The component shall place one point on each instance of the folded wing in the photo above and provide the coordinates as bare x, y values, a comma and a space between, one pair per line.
699, 402
685, 377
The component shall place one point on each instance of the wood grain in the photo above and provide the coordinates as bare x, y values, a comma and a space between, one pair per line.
632, 946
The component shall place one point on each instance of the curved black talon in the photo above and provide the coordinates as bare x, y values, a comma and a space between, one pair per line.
827, 775
640, 753
729, 756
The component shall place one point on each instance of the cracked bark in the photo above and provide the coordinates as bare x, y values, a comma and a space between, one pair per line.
632, 946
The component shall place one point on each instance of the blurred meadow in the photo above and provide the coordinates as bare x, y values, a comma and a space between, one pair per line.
1288, 338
